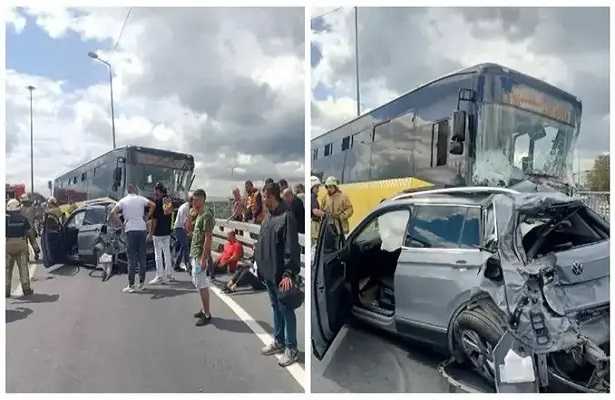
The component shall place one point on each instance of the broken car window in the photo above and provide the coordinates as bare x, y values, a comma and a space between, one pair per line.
445, 227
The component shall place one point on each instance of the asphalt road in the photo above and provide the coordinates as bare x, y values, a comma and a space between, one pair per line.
78, 334
363, 360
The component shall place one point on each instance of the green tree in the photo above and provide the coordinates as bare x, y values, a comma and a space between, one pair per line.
599, 176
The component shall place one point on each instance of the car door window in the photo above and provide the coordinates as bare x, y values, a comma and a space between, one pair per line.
95, 216
388, 228
444, 227
77, 221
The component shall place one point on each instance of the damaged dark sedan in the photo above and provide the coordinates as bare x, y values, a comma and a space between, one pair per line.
86, 235
515, 285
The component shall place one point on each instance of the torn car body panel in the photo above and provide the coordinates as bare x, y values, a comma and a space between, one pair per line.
557, 298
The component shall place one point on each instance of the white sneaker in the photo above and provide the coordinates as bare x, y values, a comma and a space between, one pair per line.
156, 281
141, 287
170, 278
129, 289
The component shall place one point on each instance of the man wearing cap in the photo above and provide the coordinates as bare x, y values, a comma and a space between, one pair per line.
336, 202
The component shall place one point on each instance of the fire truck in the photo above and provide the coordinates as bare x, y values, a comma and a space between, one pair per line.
15, 191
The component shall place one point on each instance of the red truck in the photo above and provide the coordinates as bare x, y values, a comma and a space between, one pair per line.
15, 191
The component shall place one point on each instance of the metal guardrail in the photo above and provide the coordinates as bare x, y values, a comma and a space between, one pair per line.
248, 236
597, 201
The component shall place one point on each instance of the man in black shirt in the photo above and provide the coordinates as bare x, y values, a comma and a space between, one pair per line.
160, 230
296, 208
17, 228
278, 258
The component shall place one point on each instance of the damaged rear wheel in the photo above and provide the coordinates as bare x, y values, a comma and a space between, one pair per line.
476, 334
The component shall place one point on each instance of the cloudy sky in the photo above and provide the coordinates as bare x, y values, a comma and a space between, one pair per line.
399, 49
225, 85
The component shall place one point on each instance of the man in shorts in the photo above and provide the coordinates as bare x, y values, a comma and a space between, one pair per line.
201, 223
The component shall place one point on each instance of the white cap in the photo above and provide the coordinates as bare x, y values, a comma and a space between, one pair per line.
12, 205
314, 181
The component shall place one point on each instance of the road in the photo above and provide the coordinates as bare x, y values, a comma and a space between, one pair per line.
78, 334
362, 360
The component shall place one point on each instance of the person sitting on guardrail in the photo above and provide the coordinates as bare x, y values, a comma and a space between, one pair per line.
238, 207
278, 256
232, 253
254, 212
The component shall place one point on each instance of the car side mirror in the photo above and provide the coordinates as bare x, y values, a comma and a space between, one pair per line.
459, 126
493, 270
455, 148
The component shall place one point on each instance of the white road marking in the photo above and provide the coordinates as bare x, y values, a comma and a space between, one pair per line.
295, 369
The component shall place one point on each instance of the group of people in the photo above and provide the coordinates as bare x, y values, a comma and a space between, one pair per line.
277, 256
249, 208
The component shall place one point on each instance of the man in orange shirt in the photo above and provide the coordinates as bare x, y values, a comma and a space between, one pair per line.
232, 253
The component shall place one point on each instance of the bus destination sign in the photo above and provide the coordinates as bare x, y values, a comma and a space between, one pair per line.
533, 101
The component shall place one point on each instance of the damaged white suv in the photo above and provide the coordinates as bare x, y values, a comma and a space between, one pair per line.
515, 284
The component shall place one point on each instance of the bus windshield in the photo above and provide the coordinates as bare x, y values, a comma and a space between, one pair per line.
176, 181
513, 145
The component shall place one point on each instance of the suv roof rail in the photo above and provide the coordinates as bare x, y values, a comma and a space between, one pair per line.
458, 190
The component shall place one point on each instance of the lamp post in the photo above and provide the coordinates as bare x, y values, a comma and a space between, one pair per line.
30, 89
95, 57
356, 53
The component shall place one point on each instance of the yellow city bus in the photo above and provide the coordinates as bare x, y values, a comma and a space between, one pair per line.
484, 125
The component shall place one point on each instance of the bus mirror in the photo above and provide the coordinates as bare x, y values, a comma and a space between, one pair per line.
49, 185
456, 148
459, 126
117, 176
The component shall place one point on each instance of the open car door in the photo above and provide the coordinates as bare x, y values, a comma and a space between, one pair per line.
52, 241
331, 292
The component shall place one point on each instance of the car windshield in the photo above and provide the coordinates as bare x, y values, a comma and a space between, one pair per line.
176, 181
513, 145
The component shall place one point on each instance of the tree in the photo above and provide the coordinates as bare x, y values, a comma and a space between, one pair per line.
598, 177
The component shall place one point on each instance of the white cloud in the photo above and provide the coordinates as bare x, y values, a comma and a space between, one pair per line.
204, 81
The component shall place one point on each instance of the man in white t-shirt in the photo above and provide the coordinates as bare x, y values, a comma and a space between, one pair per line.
183, 255
133, 208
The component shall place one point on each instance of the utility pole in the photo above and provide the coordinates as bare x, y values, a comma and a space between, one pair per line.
31, 89
356, 51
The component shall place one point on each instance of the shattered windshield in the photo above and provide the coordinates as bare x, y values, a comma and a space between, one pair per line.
513, 145
176, 181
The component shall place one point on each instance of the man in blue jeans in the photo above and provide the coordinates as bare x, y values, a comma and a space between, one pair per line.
133, 208
278, 256
183, 255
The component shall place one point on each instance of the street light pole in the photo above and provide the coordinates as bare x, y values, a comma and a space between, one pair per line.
95, 57
30, 89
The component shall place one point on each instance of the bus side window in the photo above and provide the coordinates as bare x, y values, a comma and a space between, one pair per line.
442, 134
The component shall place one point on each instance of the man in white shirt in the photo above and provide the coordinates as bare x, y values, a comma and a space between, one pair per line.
183, 255
133, 208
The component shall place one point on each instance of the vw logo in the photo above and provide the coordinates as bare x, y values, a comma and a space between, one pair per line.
577, 268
